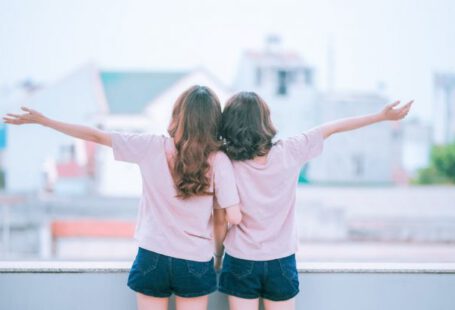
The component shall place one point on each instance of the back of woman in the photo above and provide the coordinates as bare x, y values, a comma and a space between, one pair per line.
267, 193
178, 177
184, 176
260, 251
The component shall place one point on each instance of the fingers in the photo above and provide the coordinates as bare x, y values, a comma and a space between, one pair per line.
403, 112
392, 105
14, 115
14, 121
19, 119
406, 107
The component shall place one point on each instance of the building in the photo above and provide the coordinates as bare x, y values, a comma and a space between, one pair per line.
287, 83
417, 141
142, 102
115, 101
370, 155
444, 108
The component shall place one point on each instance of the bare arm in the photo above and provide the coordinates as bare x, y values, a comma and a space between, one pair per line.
220, 227
77, 131
389, 113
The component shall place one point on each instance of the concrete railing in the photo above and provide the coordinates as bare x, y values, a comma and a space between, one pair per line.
324, 286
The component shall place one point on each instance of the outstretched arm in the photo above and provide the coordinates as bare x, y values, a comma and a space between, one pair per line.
82, 132
390, 113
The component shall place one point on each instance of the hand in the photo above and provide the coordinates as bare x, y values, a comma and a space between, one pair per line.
390, 113
30, 117
218, 262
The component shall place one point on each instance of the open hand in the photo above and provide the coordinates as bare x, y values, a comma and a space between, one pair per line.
393, 113
29, 117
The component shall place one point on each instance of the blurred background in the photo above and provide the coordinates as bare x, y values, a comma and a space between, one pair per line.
381, 194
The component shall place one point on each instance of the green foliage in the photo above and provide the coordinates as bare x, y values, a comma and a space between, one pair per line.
442, 166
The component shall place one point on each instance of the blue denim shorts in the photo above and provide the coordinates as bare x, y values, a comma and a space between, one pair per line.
276, 279
159, 275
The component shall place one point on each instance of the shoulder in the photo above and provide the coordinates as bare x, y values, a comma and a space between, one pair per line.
305, 139
136, 140
220, 157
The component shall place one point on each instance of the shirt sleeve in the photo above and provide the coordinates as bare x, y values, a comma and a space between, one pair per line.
226, 194
305, 146
133, 147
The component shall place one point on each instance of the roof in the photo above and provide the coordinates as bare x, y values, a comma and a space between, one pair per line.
92, 228
129, 92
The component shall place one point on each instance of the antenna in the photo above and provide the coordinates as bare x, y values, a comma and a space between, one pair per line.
272, 43
330, 64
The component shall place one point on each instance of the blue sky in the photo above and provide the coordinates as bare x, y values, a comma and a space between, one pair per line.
399, 43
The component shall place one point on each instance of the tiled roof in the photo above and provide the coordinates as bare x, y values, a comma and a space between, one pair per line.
129, 92
92, 228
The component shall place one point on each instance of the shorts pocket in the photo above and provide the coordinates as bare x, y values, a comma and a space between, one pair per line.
288, 268
146, 261
240, 268
198, 269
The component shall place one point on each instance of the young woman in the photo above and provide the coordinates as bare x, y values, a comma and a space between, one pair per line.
259, 260
183, 176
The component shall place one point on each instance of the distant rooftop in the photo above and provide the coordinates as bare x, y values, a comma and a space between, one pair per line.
129, 92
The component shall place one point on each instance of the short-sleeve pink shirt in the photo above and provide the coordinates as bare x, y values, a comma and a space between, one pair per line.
166, 224
267, 199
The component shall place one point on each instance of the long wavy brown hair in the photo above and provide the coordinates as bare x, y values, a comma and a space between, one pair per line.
194, 127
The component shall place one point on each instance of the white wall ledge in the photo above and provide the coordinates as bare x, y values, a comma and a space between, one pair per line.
124, 267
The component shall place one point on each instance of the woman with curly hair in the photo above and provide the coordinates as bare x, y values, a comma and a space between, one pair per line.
183, 177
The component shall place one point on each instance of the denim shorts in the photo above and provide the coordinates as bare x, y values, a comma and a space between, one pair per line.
276, 279
159, 275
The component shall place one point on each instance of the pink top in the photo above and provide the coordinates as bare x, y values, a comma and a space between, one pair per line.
166, 224
267, 199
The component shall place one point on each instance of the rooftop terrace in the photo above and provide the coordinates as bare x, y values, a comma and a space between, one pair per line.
324, 286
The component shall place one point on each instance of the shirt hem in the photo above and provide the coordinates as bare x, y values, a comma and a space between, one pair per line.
175, 254
259, 257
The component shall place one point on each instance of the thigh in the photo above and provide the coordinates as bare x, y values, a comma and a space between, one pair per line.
193, 303
281, 281
237, 303
149, 274
279, 305
193, 279
145, 302
240, 278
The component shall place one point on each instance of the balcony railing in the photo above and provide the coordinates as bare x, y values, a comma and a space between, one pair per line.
324, 286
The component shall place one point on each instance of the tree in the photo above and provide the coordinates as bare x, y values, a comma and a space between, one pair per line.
442, 166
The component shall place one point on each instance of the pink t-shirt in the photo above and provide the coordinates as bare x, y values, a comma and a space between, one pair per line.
166, 224
267, 199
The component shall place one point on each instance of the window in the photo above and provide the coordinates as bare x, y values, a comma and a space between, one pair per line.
258, 76
308, 76
282, 83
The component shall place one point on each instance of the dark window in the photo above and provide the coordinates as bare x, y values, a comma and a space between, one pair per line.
308, 76
282, 83
258, 76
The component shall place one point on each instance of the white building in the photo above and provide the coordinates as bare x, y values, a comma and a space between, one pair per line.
444, 108
132, 111
417, 141
32, 149
37, 157
368, 155
286, 82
